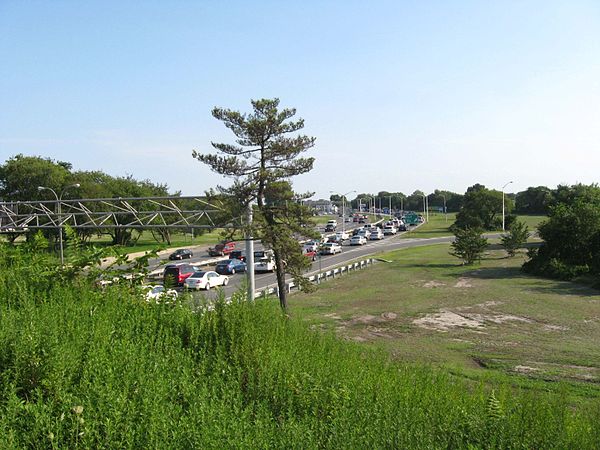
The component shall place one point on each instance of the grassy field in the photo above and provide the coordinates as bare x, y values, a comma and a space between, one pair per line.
479, 321
439, 225
88, 368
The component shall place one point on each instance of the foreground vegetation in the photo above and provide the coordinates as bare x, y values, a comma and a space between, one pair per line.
90, 369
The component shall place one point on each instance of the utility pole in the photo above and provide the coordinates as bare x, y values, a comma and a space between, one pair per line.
250, 254
503, 216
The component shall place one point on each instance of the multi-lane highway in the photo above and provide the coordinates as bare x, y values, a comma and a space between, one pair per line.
324, 263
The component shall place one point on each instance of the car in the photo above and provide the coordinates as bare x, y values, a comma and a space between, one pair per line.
342, 236
376, 234
266, 263
222, 248
310, 254
389, 230
158, 292
238, 254
330, 248
330, 228
364, 233
332, 222
402, 227
181, 253
358, 240
312, 246
230, 266
176, 274
205, 280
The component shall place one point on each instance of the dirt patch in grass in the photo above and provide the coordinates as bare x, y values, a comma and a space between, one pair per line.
463, 283
445, 319
433, 284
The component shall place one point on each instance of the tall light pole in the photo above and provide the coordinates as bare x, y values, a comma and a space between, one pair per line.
343, 208
503, 204
59, 212
445, 213
424, 213
390, 207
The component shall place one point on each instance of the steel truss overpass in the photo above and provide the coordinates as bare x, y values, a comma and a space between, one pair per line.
174, 212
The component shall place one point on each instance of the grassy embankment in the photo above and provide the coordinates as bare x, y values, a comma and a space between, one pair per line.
483, 322
439, 225
89, 369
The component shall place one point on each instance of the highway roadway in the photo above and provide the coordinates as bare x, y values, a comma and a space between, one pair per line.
324, 263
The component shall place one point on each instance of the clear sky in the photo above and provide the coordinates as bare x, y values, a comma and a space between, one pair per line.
401, 95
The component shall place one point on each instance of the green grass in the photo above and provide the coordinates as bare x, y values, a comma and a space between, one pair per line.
81, 368
523, 328
532, 221
322, 220
437, 226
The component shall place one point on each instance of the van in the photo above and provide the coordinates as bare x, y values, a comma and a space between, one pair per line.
176, 274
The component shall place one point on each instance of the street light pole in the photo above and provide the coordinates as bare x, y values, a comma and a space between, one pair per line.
503, 218
344, 208
445, 212
59, 212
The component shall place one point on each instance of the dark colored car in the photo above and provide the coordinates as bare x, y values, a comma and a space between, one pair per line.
176, 274
230, 266
402, 227
238, 254
222, 248
329, 228
182, 253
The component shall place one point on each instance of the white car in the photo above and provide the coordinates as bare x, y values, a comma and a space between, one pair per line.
358, 240
331, 248
342, 236
389, 229
376, 235
265, 264
158, 292
205, 280
310, 246
364, 233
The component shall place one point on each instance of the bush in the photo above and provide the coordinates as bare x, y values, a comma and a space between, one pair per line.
468, 245
517, 235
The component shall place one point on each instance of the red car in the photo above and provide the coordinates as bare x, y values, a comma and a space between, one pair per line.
222, 248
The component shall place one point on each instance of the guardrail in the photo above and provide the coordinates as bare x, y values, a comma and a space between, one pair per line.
320, 276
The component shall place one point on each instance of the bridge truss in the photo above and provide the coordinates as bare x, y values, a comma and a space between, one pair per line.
188, 212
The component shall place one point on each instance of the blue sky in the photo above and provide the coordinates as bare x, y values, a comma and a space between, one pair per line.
400, 95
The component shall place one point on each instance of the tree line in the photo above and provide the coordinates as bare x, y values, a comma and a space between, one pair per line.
21, 176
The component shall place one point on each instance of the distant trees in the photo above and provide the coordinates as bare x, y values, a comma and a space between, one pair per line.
21, 175
482, 209
534, 200
571, 235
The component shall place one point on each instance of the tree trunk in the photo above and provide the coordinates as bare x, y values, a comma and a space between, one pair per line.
280, 271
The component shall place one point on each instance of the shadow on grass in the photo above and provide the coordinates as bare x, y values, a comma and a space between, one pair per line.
538, 284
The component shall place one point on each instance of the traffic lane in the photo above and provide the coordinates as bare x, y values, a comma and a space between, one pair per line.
325, 262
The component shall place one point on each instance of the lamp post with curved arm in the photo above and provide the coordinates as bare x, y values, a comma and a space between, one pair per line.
59, 212
503, 217
343, 208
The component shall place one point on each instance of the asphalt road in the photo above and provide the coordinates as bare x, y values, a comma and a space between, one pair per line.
324, 263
